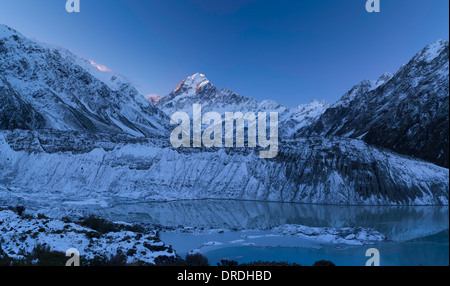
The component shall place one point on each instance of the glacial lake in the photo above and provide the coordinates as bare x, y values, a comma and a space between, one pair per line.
416, 235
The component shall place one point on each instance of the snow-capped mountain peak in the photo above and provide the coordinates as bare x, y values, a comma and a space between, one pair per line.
268, 104
383, 79
192, 84
362, 88
6, 32
197, 89
432, 51
154, 98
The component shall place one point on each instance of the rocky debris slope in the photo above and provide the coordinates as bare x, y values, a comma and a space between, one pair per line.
314, 170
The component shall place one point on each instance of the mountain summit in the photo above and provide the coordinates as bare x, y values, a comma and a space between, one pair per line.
192, 84
197, 89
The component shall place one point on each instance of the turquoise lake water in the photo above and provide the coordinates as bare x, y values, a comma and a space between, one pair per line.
416, 235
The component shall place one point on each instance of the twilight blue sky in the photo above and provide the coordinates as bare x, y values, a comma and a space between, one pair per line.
289, 51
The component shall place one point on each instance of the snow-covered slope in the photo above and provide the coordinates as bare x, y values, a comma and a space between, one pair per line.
43, 87
315, 170
304, 115
407, 112
61, 236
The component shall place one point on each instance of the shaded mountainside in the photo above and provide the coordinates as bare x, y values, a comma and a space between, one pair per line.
409, 113
43, 87
16, 113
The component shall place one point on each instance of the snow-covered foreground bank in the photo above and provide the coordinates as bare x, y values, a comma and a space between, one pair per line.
19, 235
